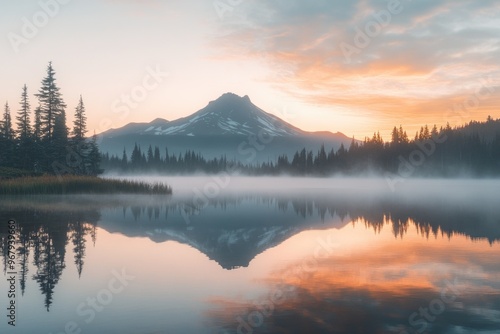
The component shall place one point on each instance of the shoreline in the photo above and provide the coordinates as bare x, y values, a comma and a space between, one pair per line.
71, 184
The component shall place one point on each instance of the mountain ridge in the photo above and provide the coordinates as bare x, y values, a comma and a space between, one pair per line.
231, 125
229, 114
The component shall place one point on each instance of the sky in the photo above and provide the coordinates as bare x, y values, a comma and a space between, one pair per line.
354, 66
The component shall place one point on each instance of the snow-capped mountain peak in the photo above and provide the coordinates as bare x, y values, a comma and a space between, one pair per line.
230, 114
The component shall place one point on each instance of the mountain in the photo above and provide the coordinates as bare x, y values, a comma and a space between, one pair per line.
231, 125
138, 128
228, 115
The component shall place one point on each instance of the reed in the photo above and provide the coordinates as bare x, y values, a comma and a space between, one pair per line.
53, 185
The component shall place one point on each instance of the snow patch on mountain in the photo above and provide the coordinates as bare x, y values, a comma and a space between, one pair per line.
228, 115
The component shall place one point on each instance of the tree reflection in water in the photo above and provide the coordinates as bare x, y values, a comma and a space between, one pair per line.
232, 231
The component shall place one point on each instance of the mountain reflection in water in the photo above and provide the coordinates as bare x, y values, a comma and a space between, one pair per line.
382, 284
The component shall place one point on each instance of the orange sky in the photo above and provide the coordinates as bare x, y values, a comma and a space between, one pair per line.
355, 67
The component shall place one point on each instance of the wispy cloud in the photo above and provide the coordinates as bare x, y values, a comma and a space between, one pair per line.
431, 55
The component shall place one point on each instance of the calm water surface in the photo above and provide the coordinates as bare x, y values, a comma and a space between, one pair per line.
245, 255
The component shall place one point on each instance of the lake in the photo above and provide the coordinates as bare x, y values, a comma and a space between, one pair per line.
257, 255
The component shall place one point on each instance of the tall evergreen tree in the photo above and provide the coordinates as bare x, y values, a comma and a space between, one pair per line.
403, 136
6, 129
57, 151
93, 160
7, 144
321, 159
25, 148
80, 145
60, 134
157, 158
80, 122
23, 117
37, 128
51, 103
38, 148
395, 139
150, 155
124, 161
136, 157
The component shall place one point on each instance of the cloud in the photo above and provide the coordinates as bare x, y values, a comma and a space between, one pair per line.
429, 55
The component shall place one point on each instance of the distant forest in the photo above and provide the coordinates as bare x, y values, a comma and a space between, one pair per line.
472, 150
46, 145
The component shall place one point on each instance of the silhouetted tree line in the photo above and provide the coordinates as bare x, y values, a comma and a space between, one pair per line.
152, 160
473, 149
46, 145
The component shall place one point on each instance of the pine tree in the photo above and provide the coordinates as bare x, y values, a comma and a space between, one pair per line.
403, 136
321, 159
93, 160
157, 157
426, 133
136, 157
7, 144
6, 129
309, 162
26, 151
167, 156
354, 145
38, 151
37, 128
80, 122
23, 117
434, 131
80, 146
60, 133
150, 155
51, 103
124, 160
395, 139
57, 151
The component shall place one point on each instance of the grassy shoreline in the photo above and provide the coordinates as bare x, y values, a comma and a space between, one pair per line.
63, 185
